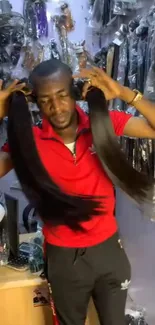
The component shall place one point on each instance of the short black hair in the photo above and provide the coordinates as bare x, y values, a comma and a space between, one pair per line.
47, 68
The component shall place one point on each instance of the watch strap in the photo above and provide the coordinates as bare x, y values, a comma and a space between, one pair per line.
137, 98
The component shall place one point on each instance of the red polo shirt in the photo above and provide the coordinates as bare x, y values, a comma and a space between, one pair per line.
80, 174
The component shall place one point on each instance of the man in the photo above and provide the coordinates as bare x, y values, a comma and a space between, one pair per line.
93, 262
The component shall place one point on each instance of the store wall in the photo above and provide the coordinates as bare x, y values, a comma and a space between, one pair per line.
79, 12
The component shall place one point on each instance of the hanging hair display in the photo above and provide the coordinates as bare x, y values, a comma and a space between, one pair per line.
35, 16
42, 24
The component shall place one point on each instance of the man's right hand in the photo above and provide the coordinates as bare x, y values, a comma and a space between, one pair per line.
5, 94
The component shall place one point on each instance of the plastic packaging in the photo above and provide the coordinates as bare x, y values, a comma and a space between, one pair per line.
64, 24
54, 53
4, 247
17, 36
63, 37
135, 317
110, 60
5, 7
100, 58
5, 36
91, 4
149, 91
66, 14
34, 53
107, 12
79, 56
15, 54
142, 32
133, 60
5, 76
4, 240
96, 19
30, 18
122, 68
4, 56
11, 41
42, 23
36, 24
120, 34
135, 314
124, 7
36, 260
17, 40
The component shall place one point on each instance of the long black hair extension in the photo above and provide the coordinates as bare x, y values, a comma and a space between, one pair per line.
52, 203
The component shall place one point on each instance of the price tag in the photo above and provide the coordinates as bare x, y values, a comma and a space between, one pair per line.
117, 41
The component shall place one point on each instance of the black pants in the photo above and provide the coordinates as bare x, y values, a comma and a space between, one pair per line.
101, 271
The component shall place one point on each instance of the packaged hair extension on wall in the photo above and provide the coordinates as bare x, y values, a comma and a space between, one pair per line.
64, 24
42, 23
30, 19
122, 72
91, 4
100, 58
67, 15
125, 7
36, 24
96, 19
11, 42
54, 53
33, 54
81, 59
149, 92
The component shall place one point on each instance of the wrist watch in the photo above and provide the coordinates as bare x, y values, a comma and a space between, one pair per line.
137, 98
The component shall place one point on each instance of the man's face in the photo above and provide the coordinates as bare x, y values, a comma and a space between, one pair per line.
54, 100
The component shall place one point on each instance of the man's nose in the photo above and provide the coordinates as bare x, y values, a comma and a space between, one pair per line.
55, 106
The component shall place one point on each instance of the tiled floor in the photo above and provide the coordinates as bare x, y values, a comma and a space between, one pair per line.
139, 239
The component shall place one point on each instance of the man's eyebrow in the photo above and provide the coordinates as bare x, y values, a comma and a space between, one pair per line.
61, 91
57, 92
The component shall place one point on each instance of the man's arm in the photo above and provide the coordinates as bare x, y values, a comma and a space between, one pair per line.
136, 126
5, 163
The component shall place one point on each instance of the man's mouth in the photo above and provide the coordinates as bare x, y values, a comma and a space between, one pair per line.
60, 118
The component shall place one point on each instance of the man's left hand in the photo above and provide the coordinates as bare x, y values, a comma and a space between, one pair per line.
98, 78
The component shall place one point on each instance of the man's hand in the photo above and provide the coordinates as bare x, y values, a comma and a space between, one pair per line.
98, 78
135, 127
5, 94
